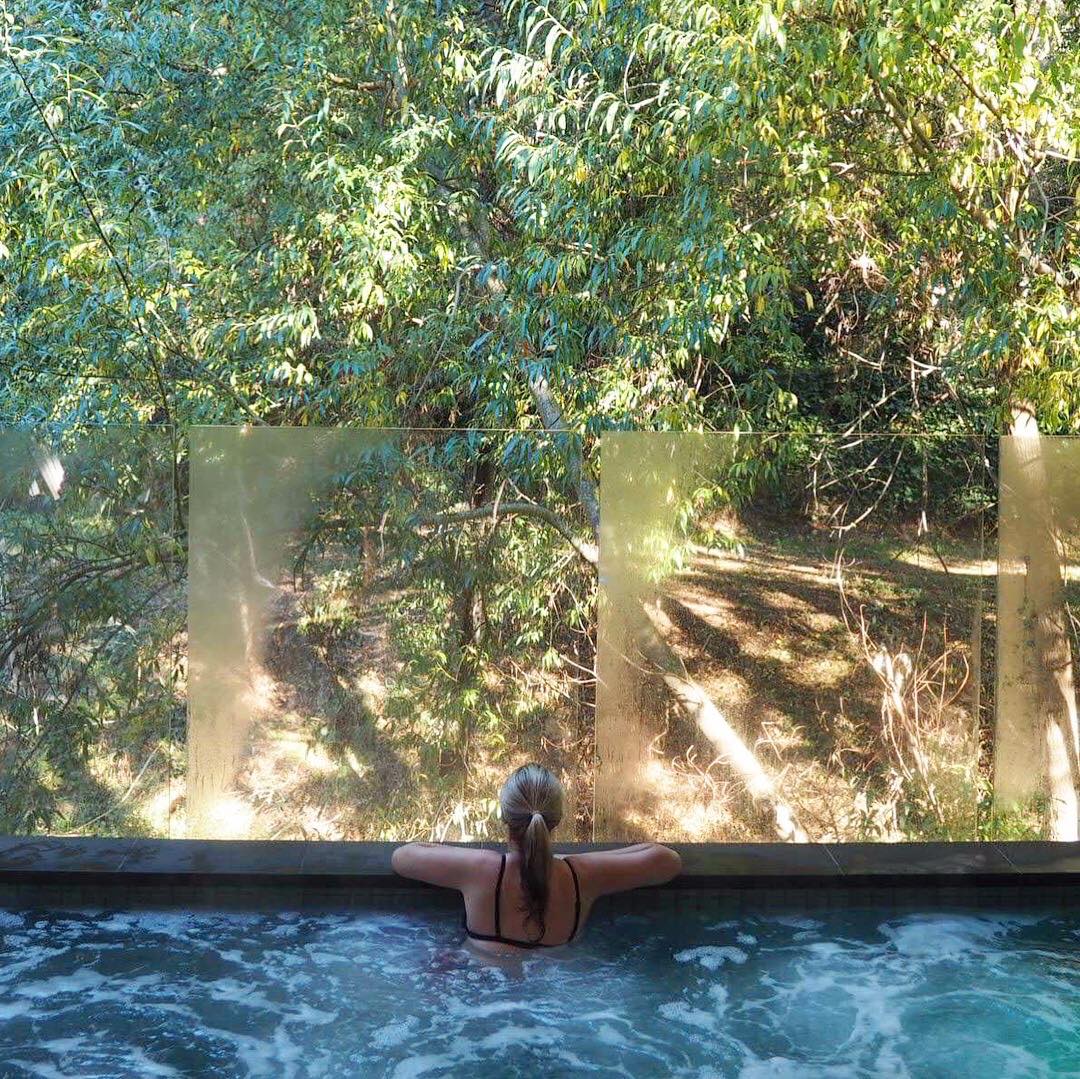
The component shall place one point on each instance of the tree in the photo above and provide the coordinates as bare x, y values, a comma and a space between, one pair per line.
1038, 745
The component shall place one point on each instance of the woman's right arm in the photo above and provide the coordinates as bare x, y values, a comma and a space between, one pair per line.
629, 867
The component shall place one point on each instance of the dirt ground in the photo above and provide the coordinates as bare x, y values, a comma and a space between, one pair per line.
762, 630
759, 626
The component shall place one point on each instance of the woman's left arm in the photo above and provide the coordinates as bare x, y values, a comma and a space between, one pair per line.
437, 863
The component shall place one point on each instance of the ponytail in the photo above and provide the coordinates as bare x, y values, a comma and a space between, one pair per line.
536, 870
531, 803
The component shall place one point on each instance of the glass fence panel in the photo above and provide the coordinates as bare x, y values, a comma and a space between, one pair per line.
382, 624
1036, 745
91, 642
790, 638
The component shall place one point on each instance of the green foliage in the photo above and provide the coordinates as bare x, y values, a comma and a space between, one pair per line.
800, 216
90, 612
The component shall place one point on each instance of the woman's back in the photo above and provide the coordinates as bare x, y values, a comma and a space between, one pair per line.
495, 910
529, 898
574, 883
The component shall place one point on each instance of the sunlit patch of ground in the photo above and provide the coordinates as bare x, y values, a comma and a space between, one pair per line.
763, 633
159, 806
694, 801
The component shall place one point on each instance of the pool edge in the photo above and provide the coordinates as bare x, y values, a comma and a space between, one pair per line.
55, 864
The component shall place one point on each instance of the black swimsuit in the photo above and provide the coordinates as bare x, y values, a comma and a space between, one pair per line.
497, 936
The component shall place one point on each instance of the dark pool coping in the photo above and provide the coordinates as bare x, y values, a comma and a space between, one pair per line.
302, 865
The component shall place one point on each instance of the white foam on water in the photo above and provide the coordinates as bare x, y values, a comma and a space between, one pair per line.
289, 930
782, 1007
421, 1065
511, 1035
118, 922
1061, 1011
286, 1051
32, 956
237, 992
313, 1017
10, 920
180, 926
785, 1068
259, 1056
453, 1006
74, 982
793, 922
944, 936
40, 1069
608, 1035
825, 949
594, 1017
842, 998
878, 1009
144, 1065
889, 1064
711, 956
62, 1045
1020, 1064
681, 1012
396, 1033
324, 959
720, 996
85, 1050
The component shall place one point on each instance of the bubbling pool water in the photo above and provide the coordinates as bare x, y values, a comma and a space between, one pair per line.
369, 993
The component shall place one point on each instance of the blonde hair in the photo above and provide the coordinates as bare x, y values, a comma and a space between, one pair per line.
531, 802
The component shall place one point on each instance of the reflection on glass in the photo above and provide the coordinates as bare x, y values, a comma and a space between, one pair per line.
1037, 777
790, 638
91, 608
381, 625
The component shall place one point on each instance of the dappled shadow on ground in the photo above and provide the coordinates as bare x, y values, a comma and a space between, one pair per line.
764, 635
327, 760
321, 765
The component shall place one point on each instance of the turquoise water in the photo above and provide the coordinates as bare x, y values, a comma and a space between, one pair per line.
153, 993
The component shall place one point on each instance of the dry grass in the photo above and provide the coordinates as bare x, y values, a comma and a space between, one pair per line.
809, 674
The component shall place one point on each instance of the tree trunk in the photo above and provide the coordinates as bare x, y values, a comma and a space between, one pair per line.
1038, 736
370, 556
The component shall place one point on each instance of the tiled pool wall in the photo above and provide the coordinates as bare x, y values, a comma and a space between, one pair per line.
723, 878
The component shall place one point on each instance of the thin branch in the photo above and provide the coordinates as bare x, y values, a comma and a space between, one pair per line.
494, 511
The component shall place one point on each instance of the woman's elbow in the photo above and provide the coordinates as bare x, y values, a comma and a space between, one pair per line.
399, 860
670, 862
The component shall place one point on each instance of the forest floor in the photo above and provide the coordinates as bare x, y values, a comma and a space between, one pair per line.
324, 759
760, 626
787, 656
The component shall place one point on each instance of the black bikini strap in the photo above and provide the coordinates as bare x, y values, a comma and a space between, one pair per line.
498, 886
577, 898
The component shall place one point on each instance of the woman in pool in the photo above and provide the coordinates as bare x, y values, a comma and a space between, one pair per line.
527, 897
